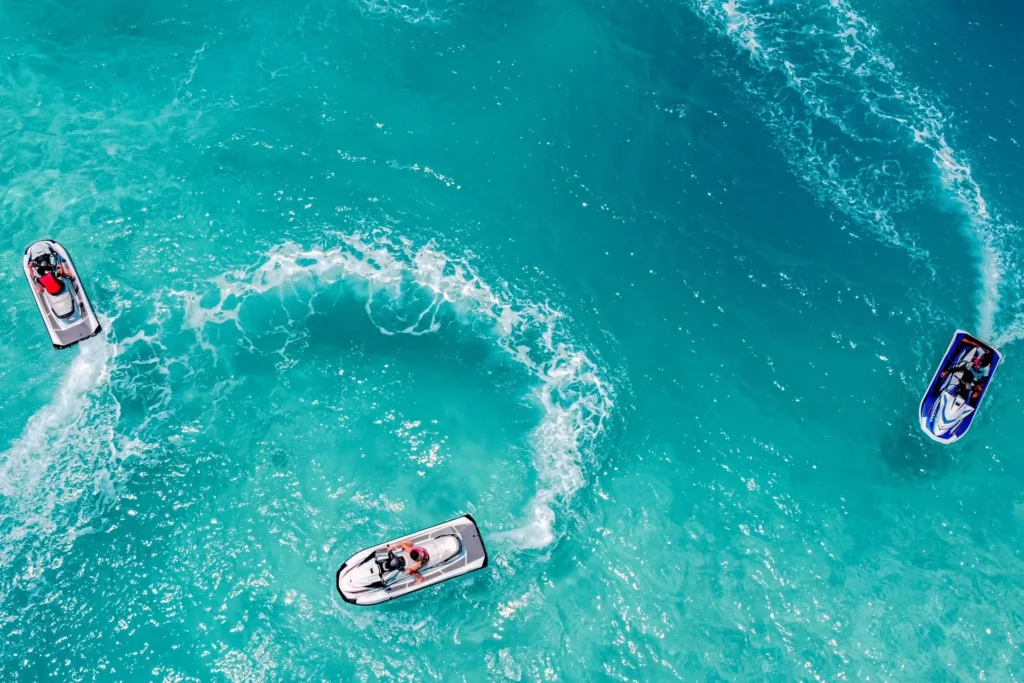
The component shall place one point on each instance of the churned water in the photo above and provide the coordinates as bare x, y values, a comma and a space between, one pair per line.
652, 289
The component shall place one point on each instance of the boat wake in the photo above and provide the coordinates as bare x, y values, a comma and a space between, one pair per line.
409, 291
845, 116
61, 466
412, 12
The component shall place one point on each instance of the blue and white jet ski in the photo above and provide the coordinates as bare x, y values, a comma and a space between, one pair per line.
442, 552
958, 387
59, 293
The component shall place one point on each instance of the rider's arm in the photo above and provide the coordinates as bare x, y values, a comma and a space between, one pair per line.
415, 568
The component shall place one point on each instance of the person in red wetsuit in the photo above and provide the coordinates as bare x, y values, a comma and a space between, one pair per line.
50, 283
47, 276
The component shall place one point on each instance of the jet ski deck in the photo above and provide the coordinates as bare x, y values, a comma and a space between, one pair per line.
375, 575
60, 295
961, 381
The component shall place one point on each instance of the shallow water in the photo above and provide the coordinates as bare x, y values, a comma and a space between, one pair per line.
651, 289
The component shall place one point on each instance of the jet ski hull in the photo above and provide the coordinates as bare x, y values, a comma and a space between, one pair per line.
945, 414
67, 321
456, 548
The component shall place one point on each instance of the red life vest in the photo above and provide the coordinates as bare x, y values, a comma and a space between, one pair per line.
51, 284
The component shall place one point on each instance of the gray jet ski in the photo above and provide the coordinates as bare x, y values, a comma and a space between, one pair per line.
60, 295
378, 574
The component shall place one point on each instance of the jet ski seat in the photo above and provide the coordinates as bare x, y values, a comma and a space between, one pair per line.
388, 560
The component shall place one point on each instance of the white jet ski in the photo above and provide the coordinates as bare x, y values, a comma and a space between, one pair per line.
378, 574
60, 295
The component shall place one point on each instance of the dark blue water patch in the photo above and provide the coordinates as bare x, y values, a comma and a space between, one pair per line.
339, 359
909, 454
335, 322
968, 54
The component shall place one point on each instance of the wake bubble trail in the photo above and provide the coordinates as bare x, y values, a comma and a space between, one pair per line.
822, 77
575, 398
24, 465
65, 455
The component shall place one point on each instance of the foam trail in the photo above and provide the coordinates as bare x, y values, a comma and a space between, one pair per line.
991, 274
391, 274
1013, 332
61, 455
27, 461
559, 437
424, 11
843, 114
986, 233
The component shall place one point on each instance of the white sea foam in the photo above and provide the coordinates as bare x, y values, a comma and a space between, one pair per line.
66, 467
844, 113
1013, 332
412, 12
406, 290
63, 459
29, 459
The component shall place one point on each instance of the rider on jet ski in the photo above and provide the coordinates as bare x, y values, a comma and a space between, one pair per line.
416, 554
972, 374
47, 275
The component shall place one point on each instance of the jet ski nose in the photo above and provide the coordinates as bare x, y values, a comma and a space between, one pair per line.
348, 585
359, 578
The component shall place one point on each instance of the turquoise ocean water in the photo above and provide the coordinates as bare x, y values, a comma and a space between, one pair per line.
650, 288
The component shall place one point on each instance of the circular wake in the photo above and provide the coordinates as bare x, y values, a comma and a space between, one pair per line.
407, 291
